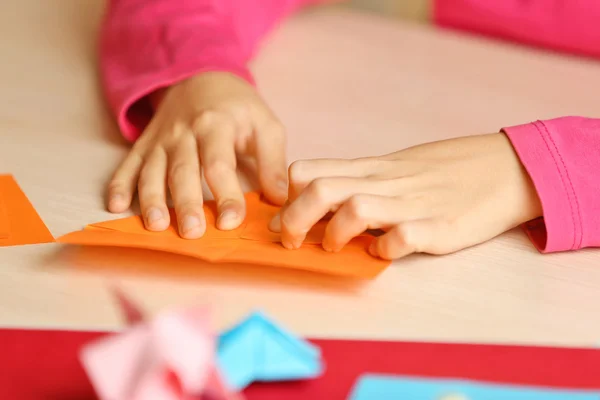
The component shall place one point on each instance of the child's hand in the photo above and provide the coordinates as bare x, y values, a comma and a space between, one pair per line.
435, 198
201, 124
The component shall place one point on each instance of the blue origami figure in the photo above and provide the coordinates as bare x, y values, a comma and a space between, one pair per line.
257, 350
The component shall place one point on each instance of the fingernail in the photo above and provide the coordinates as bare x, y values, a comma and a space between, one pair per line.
297, 243
190, 223
228, 220
292, 243
275, 224
115, 200
373, 249
154, 215
328, 247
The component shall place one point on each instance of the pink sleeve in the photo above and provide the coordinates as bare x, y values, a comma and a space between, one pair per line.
147, 45
564, 25
562, 156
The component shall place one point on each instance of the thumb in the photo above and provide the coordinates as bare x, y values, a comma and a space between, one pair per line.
271, 160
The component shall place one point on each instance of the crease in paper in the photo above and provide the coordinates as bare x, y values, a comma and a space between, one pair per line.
252, 243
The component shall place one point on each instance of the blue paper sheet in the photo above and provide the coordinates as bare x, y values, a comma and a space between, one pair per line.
259, 350
387, 387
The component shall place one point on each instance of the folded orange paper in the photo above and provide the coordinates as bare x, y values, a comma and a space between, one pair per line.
19, 222
4, 225
251, 243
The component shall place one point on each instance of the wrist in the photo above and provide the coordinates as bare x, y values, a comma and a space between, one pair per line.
527, 204
156, 97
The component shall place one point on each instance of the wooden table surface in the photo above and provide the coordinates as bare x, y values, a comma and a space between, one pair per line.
346, 85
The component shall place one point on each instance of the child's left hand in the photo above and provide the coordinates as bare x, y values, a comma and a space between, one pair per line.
435, 198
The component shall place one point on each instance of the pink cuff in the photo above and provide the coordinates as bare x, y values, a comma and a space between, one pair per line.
560, 228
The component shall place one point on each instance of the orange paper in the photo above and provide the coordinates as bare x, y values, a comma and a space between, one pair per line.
251, 243
4, 225
19, 222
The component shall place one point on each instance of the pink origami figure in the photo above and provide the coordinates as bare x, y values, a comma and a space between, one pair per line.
169, 358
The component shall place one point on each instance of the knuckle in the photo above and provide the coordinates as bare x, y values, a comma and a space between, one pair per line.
180, 170
405, 237
178, 134
319, 190
276, 129
241, 112
358, 206
297, 171
208, 119
218, 169
145, 181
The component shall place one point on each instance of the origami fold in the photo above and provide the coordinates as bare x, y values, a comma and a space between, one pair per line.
169, 358
251, 243
257, 350
176, 357
396, 387
19, 222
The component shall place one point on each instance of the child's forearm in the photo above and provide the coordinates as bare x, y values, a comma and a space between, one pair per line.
146, 46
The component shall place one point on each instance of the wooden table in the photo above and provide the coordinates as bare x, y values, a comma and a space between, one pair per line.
348, 84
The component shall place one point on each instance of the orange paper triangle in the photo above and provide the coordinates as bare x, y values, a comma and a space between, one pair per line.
19, 222
251, 243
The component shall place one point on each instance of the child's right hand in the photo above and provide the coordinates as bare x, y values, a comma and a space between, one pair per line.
201, 124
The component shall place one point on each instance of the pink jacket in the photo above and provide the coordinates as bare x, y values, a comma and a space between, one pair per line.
149, 44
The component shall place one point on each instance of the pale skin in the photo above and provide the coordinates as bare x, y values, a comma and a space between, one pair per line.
434, 198
201, 125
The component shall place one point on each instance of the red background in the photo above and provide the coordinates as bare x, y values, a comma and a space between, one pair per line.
43, 365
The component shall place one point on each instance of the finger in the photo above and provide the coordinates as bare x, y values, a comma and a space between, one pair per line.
400, 241
219, 163
362, 212
271, 158
321, 196
303, 172
122, 186
185, 184
275, 223
152, 191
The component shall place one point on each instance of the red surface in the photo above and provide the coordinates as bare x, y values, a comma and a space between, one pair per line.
43, 365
